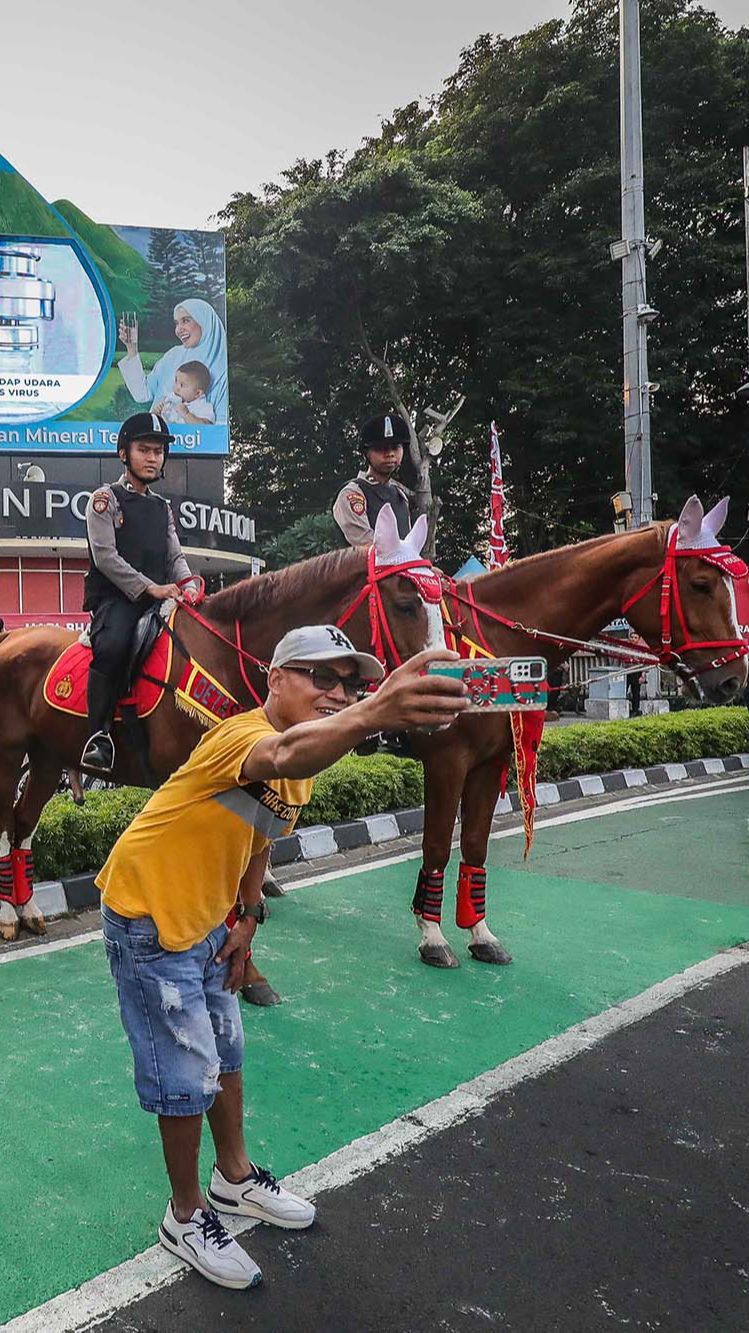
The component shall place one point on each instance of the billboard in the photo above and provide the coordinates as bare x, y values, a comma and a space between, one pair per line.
98, 322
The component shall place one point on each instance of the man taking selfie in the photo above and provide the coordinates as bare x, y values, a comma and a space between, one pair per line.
197, 850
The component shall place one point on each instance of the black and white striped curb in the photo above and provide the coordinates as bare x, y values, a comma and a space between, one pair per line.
56, 897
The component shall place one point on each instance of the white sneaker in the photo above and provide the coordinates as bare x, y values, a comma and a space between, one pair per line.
205, 1243
259, 1195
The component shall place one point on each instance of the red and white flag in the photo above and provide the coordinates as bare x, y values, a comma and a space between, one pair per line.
498, 552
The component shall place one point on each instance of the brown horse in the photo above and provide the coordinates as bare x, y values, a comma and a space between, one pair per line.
574, 591
263, 608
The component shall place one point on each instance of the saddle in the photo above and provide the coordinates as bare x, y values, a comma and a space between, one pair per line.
148, 668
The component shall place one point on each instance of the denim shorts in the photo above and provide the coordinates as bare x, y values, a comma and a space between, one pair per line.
183, 1027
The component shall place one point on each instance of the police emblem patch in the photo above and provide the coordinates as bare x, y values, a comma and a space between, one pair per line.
64, 688
100, 502
357, 502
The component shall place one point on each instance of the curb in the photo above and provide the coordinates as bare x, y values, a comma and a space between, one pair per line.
56, 897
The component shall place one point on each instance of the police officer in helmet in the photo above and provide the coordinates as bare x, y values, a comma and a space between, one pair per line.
382, 440
135, 561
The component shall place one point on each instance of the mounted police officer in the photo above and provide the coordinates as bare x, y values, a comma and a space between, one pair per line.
382, 440
135, 561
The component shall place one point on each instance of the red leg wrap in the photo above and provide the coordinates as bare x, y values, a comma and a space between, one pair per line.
427, 900
23, 875
6, 879
470, 906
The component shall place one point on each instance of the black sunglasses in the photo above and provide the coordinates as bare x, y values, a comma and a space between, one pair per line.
325, 679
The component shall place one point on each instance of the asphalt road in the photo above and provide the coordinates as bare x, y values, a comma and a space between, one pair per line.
611, 1191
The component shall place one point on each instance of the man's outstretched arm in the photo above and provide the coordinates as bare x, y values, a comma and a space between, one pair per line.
406, 699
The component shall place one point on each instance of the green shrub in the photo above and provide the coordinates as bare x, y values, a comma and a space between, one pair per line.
369, 785
73, 841
70, 841
642, 741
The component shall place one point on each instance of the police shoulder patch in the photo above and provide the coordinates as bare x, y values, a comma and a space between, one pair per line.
100, 502
357, 503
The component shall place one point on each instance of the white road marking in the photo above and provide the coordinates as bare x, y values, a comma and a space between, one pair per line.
54, 946
95, 1300
638, 802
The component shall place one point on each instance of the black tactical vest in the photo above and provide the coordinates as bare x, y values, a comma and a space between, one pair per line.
379, 493
142, 538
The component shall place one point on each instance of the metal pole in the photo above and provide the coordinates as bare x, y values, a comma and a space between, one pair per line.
637, 467
747, 232
746, 235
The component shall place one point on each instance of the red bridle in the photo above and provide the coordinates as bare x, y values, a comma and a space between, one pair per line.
667, 655
671, 603
381, 635
420, 572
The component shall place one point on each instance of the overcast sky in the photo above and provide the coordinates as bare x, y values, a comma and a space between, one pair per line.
153, 112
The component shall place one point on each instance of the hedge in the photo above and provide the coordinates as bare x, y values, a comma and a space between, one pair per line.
642, 741
71, 841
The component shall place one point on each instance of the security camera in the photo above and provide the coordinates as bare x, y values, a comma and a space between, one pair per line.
647, 314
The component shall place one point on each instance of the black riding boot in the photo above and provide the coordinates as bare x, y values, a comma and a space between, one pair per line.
98, 752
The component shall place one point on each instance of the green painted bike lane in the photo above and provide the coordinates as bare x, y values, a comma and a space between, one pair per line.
366, 1032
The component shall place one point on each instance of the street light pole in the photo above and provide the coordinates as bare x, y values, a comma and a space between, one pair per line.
637, 314
746, 234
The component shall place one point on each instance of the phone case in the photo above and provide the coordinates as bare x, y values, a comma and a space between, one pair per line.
499, 684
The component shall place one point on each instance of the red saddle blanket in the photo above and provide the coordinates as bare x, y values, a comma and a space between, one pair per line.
65, 685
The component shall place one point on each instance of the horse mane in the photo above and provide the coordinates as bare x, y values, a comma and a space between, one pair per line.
574, 551
262, 593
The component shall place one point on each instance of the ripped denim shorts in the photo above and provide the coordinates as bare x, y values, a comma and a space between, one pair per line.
183, 1027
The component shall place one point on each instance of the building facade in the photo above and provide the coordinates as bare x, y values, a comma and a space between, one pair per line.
43, 552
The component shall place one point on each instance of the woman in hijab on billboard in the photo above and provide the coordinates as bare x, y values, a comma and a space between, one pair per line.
202, 338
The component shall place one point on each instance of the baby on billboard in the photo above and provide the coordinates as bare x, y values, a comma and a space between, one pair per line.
188, 395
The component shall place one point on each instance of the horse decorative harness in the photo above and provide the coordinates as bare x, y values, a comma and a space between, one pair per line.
729, 564
419, 572
424, 577
671, 603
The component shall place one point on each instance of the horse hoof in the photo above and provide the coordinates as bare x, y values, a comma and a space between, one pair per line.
490, 952
438, 955
34, 922
271, 887
261, 993
9, 923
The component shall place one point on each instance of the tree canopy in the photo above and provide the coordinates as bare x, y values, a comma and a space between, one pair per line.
469, 242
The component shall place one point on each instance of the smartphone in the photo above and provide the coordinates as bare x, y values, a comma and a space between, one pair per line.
499, 684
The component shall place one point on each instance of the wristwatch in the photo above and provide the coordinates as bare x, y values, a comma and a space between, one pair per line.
258, 912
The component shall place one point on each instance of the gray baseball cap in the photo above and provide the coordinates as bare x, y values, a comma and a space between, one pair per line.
324, 643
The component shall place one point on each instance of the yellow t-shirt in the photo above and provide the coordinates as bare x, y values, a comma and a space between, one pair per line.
182, 858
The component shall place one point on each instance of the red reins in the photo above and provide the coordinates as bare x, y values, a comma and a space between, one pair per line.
670, 597
236, 644
382, 640
384, 646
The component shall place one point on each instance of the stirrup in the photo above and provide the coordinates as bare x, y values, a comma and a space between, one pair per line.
98, 752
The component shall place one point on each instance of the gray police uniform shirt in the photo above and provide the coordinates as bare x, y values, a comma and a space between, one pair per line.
103, 515
350, 511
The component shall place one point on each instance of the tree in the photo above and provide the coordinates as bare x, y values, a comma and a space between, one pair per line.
311, 535
169, 263
343, 266
467, 247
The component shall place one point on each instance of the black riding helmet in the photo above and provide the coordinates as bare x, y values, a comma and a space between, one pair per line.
377, 432
144, 426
